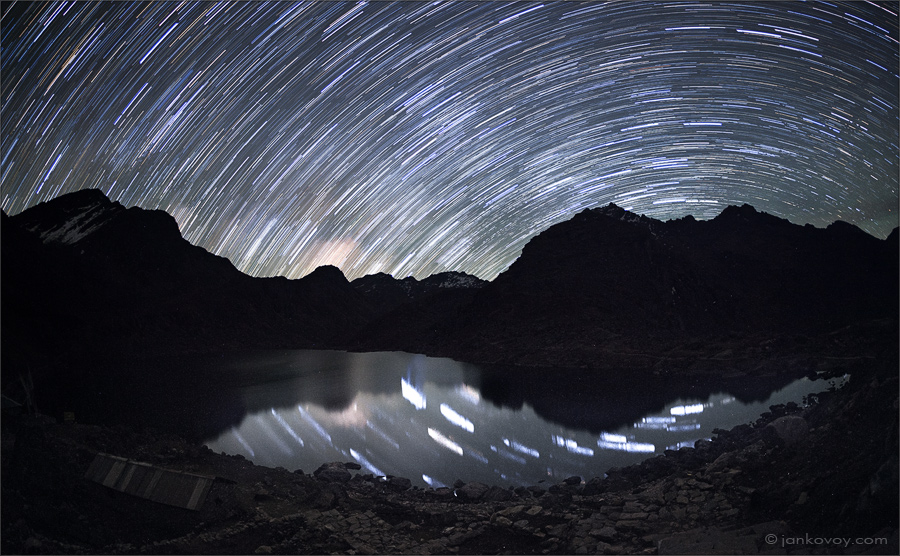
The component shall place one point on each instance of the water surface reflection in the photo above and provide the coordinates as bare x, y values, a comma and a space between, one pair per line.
426, 419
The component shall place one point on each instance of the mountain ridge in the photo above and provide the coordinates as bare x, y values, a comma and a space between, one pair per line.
85, 278
606, 277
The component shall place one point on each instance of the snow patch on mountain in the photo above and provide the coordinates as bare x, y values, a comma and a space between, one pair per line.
80, 225
457, 280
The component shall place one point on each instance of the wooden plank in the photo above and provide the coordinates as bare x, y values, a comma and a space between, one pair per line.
175, 488
114, 473
199, 494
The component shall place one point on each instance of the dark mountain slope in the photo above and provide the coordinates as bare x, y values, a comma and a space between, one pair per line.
85, 279
88, 284
608, 281
85, 276
386, 293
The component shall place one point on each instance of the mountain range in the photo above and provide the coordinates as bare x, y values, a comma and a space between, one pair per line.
608, 280
86, 279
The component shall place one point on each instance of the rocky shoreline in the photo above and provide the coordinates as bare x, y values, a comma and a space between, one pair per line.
820, 479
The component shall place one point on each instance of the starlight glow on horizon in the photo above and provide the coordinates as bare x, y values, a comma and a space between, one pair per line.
413, 138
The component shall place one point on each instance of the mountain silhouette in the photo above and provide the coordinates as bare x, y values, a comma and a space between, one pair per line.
86, 280
387, 293
608, 279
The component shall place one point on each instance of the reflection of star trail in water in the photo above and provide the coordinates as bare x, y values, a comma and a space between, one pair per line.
386, 434
416, 137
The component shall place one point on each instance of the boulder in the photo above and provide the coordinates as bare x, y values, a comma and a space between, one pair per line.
498, 494
472, 491
399, 483
792, 429
593, 487
333, 472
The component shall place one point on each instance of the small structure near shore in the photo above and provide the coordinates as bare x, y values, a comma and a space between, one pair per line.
175, 488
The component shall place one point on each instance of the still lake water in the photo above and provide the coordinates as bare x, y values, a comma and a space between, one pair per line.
425, 419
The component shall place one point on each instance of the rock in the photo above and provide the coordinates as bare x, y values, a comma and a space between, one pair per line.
399, 483
593, 487
498, 494
472, 491
512, 511
628, 525
501, 521
334, 472
792, 429
461, 536
440, 518
352, 465
605, 533
442, 492
537, 490
573, 480
264, 549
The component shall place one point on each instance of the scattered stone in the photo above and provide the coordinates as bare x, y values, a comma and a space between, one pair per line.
605, 533
628, 525
792, 429
334, 472
593, 487
399, 483
512, 511
442, 492
498, 494
694, 503
472, 491
501, 521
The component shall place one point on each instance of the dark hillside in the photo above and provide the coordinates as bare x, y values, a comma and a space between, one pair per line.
608, 282
86, 280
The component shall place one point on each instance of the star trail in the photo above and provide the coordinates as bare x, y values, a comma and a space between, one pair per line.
413, 138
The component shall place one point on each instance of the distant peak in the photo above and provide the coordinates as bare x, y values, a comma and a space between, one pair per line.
743, 211
615, 212
327, 272
83, 197
454, 279
613, 207
69, 218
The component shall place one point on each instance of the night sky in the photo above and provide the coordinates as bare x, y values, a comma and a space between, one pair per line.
414, 138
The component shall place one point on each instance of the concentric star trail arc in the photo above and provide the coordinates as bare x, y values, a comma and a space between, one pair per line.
413, 138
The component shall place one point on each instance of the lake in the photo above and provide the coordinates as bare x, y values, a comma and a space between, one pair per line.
435, 420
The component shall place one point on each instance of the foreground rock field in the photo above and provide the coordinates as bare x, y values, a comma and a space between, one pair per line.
815, 479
